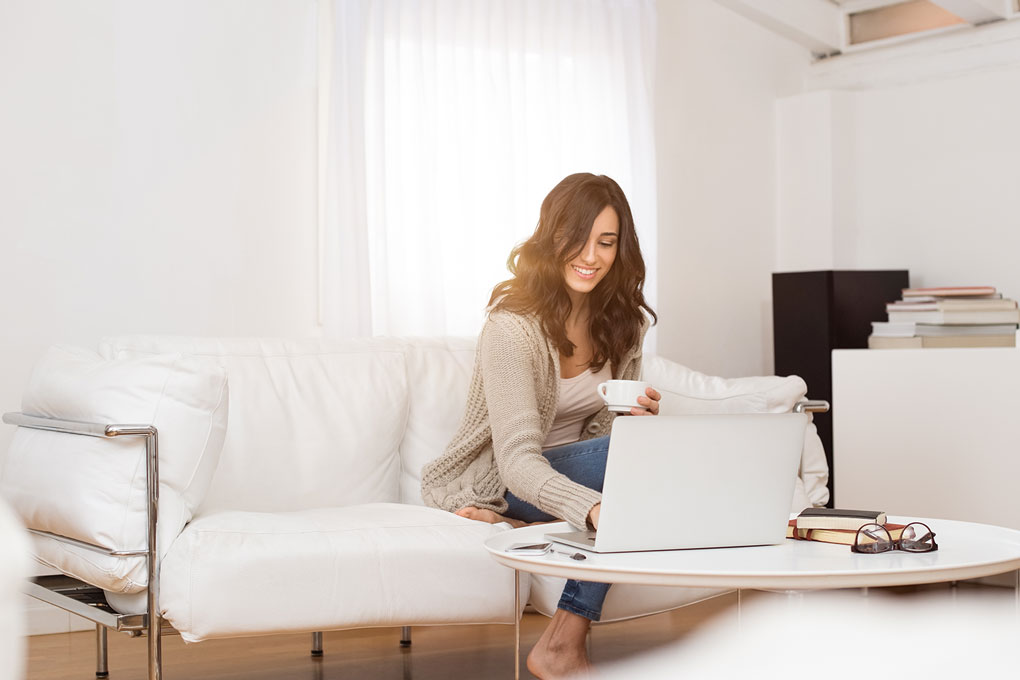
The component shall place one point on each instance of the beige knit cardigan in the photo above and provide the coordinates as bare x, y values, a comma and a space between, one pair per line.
511, 405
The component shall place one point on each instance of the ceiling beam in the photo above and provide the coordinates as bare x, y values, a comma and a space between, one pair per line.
813, 24
977, 11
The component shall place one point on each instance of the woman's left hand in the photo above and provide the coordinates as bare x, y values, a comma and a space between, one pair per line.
650, 403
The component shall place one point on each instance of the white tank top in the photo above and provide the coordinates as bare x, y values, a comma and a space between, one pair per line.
578, 400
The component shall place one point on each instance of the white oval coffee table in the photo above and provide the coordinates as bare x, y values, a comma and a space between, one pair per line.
966, 550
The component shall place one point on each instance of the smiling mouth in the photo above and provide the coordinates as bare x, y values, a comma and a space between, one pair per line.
583, 273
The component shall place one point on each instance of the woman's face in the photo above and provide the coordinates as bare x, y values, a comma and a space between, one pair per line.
583, 272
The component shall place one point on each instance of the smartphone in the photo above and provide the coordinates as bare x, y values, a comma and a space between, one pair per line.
529, 548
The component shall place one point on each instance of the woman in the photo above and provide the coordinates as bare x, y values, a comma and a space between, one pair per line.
533, 442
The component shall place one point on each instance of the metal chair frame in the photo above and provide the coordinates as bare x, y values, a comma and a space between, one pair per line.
88, 601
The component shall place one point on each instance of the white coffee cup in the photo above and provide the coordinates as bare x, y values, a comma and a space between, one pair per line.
621, 395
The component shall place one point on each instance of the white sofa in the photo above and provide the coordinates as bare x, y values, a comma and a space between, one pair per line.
289, 481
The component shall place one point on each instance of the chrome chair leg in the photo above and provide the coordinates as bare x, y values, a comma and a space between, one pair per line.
405, 636
408, 669
317, 643
102, 658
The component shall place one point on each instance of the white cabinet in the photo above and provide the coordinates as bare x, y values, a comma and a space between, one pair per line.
930, 432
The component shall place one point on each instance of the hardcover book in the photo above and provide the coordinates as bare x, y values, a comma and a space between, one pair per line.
838, 518
959, 316
951, 304
839, 536
950, 291
906, 329
941, 341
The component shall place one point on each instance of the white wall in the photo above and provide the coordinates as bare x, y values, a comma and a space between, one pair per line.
937, 182
923, 168
157, 175
719, 76
815, 182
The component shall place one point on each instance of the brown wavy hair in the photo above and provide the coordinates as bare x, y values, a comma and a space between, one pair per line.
615, 305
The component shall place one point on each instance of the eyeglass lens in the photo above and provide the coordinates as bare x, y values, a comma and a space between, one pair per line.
917, 537
873, 538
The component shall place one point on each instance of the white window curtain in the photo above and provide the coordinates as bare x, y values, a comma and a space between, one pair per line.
443, 124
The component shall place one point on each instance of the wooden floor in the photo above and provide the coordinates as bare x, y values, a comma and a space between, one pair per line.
436, 653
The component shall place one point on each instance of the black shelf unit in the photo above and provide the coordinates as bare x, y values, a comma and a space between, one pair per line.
815, 312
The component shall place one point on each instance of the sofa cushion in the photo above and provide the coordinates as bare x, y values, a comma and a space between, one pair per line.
380, 564
313, 423
687, 392
438, 377
93, 489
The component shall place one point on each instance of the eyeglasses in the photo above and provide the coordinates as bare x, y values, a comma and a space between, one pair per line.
916, 537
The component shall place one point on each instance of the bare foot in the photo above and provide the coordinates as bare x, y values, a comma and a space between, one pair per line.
560, 652
484, 515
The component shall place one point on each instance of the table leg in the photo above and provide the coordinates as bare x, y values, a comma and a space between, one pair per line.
517, 624
739, 604
794, 599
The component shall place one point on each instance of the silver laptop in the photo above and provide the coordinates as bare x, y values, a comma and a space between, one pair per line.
676, 482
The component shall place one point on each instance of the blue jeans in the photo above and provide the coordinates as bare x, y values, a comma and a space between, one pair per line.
583, 462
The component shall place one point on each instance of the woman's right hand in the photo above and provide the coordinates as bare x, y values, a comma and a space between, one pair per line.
593, 516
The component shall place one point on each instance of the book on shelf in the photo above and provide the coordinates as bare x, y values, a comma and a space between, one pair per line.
957, 304
839, 536
906, 329
917, 299
950, 291
958, 316
940, 341
838, 518
889, 329
954, 316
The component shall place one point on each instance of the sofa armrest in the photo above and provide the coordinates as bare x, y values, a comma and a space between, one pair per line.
56, 424
811, 406
151, 435
686, 391
694, 392
79, 468
104, 430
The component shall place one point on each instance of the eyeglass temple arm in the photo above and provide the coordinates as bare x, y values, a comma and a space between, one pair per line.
811, 406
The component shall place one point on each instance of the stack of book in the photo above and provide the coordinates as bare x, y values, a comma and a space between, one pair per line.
836, 525
966, 316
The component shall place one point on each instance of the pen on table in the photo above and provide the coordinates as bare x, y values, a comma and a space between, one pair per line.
574, 556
